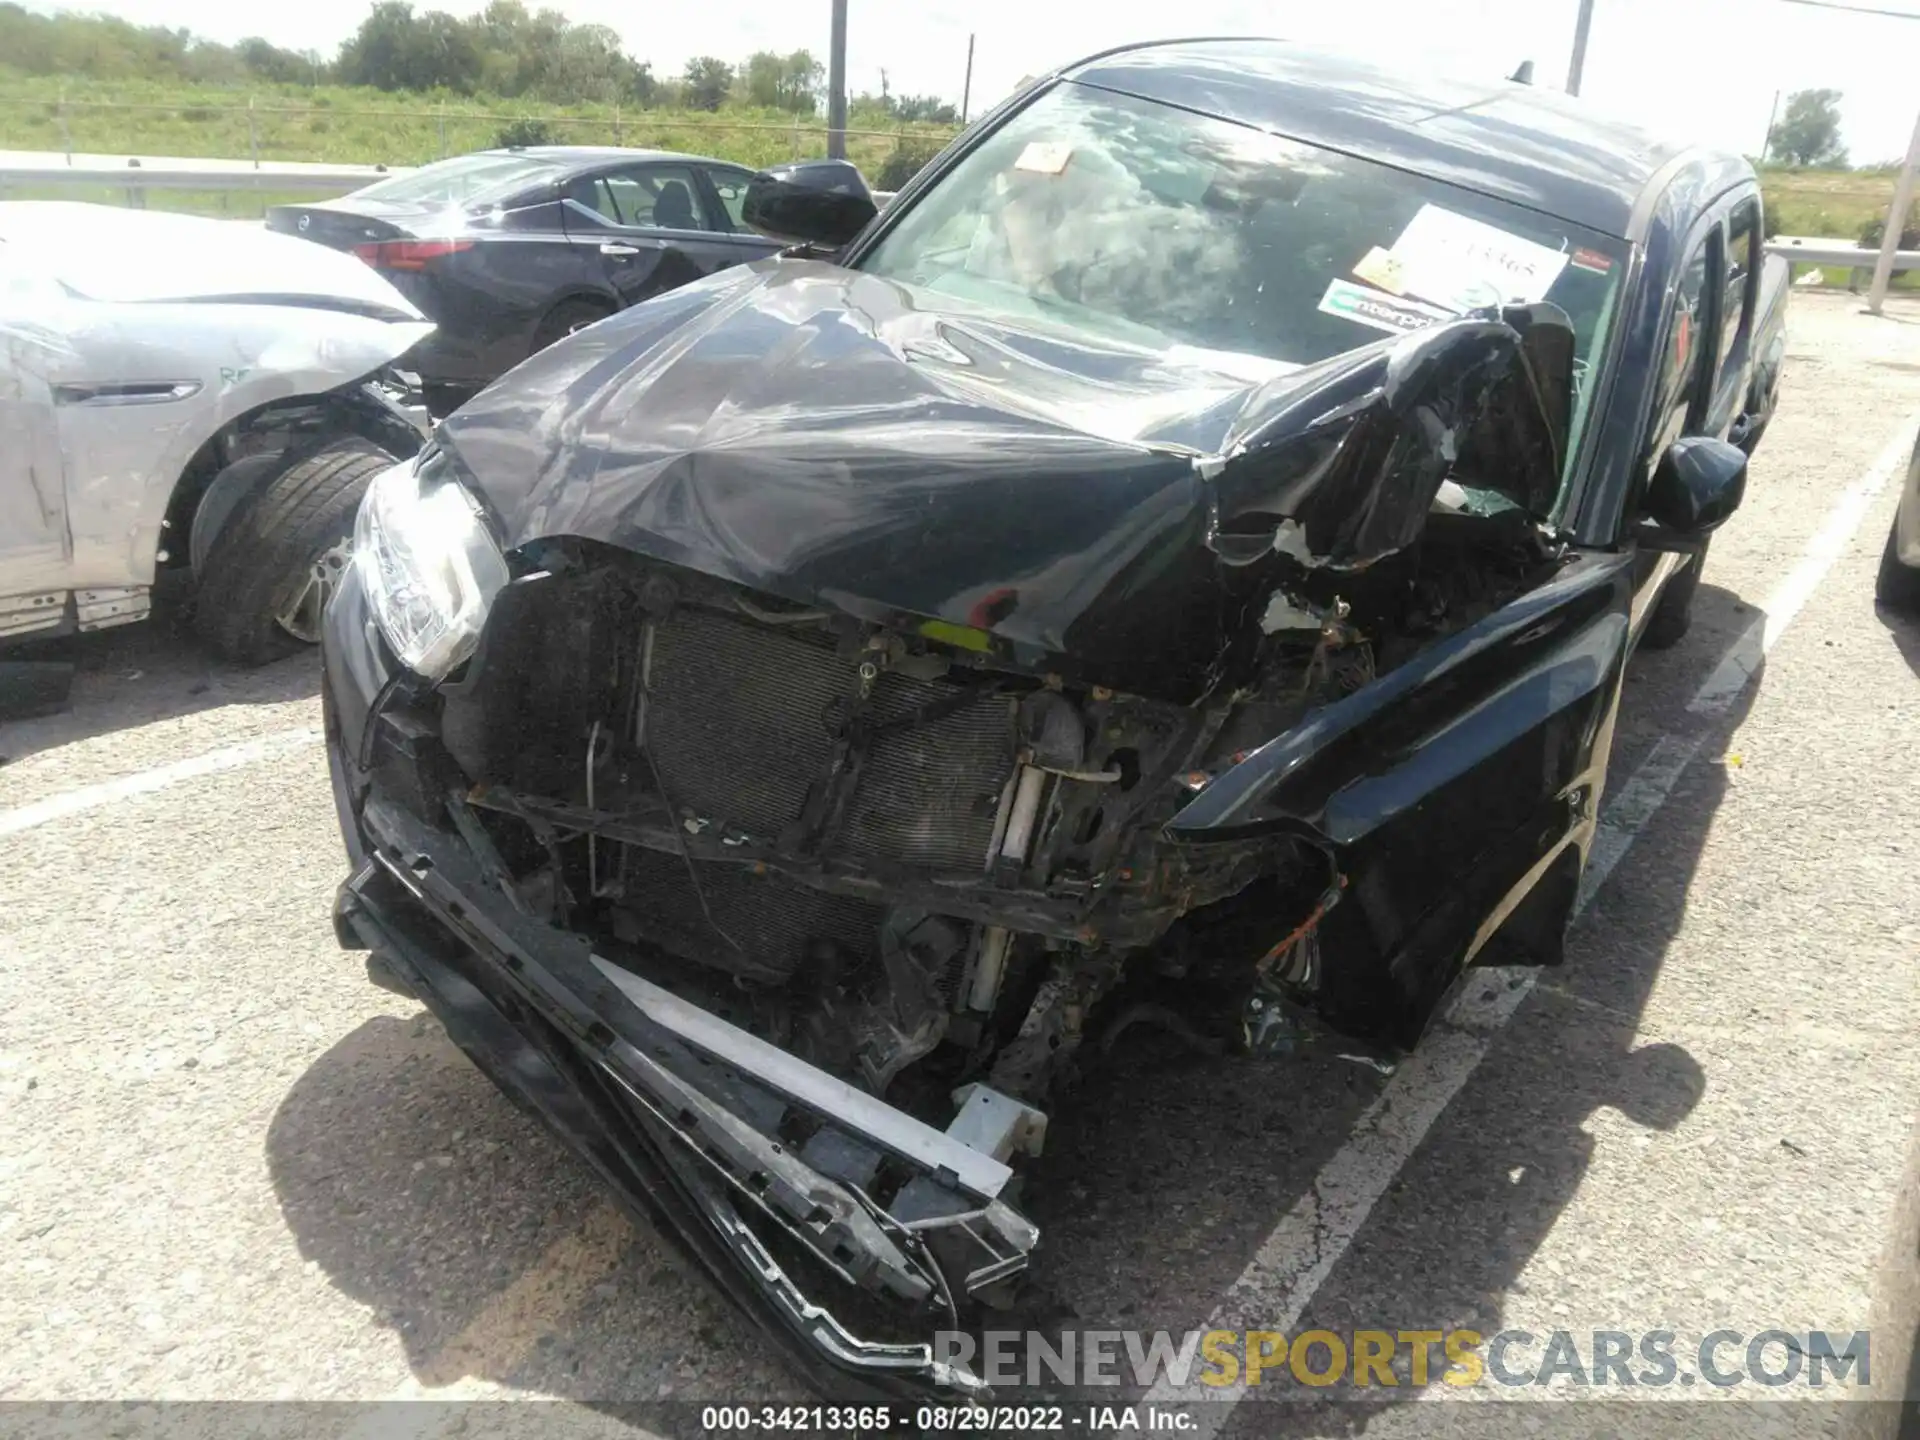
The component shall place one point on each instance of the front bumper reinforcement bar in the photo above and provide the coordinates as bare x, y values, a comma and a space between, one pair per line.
708, 1097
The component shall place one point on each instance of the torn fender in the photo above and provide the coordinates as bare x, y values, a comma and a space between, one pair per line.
1106, 510
1453, 789
1339, 465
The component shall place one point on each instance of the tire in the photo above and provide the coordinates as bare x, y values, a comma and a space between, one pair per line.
1898, 586
1673, 615
298, 516
565, 318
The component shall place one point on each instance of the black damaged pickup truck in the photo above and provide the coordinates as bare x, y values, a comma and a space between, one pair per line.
1175, 567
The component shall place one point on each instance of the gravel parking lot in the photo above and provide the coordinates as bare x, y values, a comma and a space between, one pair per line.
231, 1169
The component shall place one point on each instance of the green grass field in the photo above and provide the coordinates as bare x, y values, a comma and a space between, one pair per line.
1830, 204
365, 126
1826, 202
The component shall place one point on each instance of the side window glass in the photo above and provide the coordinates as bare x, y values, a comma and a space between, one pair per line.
1680, 365
659, 196
731, 187
590, 193
632, 205
1743, 253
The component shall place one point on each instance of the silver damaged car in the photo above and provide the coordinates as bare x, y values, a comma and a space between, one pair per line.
186, 395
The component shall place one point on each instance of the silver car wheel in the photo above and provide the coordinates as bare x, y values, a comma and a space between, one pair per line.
300, 617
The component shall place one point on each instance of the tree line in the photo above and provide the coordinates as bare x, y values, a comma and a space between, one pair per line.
1808, 131
507, 50
107, 48
512, 52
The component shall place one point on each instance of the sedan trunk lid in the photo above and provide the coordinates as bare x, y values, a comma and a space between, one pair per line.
349, 221
138, 256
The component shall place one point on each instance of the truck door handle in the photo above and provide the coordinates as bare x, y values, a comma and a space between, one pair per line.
615, 248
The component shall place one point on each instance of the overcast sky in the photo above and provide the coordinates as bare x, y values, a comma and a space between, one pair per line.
1702, 70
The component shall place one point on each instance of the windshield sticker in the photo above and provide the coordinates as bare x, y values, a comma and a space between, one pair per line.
1379, 309
1044, 157
1594, 261
1467, 264
1378, 267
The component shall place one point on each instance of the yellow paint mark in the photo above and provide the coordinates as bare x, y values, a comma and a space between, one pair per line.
964, 637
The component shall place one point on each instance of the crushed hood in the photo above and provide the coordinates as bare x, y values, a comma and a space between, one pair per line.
135, 256
1117, 513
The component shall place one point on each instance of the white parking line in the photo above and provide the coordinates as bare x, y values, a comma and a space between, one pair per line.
1275, 1288
145, 782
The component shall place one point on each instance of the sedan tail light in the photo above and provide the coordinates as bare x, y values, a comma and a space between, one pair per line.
408, 254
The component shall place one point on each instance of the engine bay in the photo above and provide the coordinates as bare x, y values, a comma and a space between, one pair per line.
874, 894
883, 851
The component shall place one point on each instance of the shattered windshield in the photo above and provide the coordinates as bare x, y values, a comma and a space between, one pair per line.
1152, 225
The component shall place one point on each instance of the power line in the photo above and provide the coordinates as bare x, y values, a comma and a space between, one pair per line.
1855, 9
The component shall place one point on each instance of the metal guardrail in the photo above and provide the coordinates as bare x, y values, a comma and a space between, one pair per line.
1812, 250
139, 173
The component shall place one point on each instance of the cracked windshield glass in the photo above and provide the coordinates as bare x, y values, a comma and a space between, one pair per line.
1148, 225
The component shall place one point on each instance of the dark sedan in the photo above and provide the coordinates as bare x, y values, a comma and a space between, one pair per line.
508, 250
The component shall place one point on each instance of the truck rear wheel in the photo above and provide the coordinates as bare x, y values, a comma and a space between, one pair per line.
1897, 585
1673, 614
279, 552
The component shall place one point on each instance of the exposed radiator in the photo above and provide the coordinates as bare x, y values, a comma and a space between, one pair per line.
929, 792
772, 922
736, 718
739, 721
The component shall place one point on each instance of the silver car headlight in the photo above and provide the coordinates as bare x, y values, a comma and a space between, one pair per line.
429, 565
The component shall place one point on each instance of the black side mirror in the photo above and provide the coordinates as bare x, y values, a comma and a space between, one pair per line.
809, 202
1696, 486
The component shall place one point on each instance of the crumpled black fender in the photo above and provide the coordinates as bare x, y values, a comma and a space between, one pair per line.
1338, 466
1450, 790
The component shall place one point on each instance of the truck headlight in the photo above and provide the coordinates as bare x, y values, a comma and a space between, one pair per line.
429, 565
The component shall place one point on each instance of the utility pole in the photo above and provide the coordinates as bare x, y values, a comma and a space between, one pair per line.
966, 89
1580, 28
1766, 146
837, 84
1896, 221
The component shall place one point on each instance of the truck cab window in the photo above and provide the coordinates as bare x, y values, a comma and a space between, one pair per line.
1681, 393
1743, 252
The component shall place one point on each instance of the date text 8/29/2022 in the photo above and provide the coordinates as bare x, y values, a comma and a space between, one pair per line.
960, 1419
